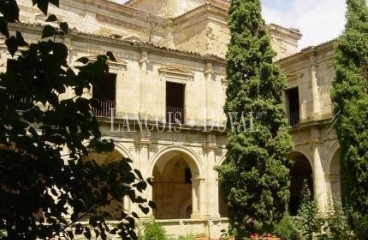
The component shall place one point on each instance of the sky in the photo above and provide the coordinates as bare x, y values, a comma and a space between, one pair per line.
318, 20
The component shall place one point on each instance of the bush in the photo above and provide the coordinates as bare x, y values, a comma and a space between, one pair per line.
286, 228
152, 231
336, 226
360, 227
307, 222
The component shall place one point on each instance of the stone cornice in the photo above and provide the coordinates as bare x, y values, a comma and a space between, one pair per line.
203, 11
176, 71
307, 52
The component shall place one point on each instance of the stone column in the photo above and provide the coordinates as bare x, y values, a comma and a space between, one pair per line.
198, 203
212, 184
334, 189
208, 76
195, 198
319, 180
202, 199
314, 87
143, 62
142, 145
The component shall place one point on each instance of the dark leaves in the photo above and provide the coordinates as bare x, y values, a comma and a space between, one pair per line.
43, 5
83, 60
48, 31
51, 18
110, 56
20, 39
64, 27
12, 45
4, 27
10, 10
37, 128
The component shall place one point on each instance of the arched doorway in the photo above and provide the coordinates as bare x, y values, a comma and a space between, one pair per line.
300, 172
174, 175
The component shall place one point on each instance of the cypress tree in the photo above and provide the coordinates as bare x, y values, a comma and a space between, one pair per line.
350, 101
255, 177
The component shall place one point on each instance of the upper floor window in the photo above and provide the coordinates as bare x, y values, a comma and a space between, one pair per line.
105, 91
292, 106
175, 93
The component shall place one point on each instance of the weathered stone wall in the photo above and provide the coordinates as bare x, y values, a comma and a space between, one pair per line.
311, 71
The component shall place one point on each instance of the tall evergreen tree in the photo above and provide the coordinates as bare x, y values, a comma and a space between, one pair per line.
350, 99
255, 178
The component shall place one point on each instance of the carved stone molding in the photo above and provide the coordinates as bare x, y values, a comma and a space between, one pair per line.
176, 74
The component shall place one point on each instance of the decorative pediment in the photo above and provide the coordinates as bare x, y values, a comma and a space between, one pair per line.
291, 77
119, 61
176, 73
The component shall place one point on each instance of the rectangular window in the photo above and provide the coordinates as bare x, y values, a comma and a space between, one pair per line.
175, 93
24, 97
105, 91
292, 106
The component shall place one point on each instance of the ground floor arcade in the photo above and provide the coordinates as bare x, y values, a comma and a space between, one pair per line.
185, 185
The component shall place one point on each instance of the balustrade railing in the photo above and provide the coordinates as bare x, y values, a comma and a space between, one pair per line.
105, 111
175, 115
293, 118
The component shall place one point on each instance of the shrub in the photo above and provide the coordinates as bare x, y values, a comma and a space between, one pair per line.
152, 231
336, 226
360, 227
307, 222
286, 228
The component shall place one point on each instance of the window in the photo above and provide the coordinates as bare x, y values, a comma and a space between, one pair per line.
292, 106
105, 91
23, 97
175, 102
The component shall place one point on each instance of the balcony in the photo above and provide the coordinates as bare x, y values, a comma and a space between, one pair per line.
105, 111
175, 115
293, 117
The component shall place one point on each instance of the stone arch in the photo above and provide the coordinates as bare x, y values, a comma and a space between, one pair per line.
334, 186
186, 209
114, 208
305, 152
333, 152
301, 171
222, 159
194, 163
176, 183
124, 151
222, 205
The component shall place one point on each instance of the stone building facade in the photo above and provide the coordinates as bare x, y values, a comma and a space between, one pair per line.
163, 100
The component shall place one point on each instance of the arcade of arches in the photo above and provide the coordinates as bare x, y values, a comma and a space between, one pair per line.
179, 191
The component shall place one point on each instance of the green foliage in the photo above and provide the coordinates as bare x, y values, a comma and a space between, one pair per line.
360, 227
307, 221
350, 100
308, 224
189, 237
335, 225
255, 178
152, 231
286, 229
40, 188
